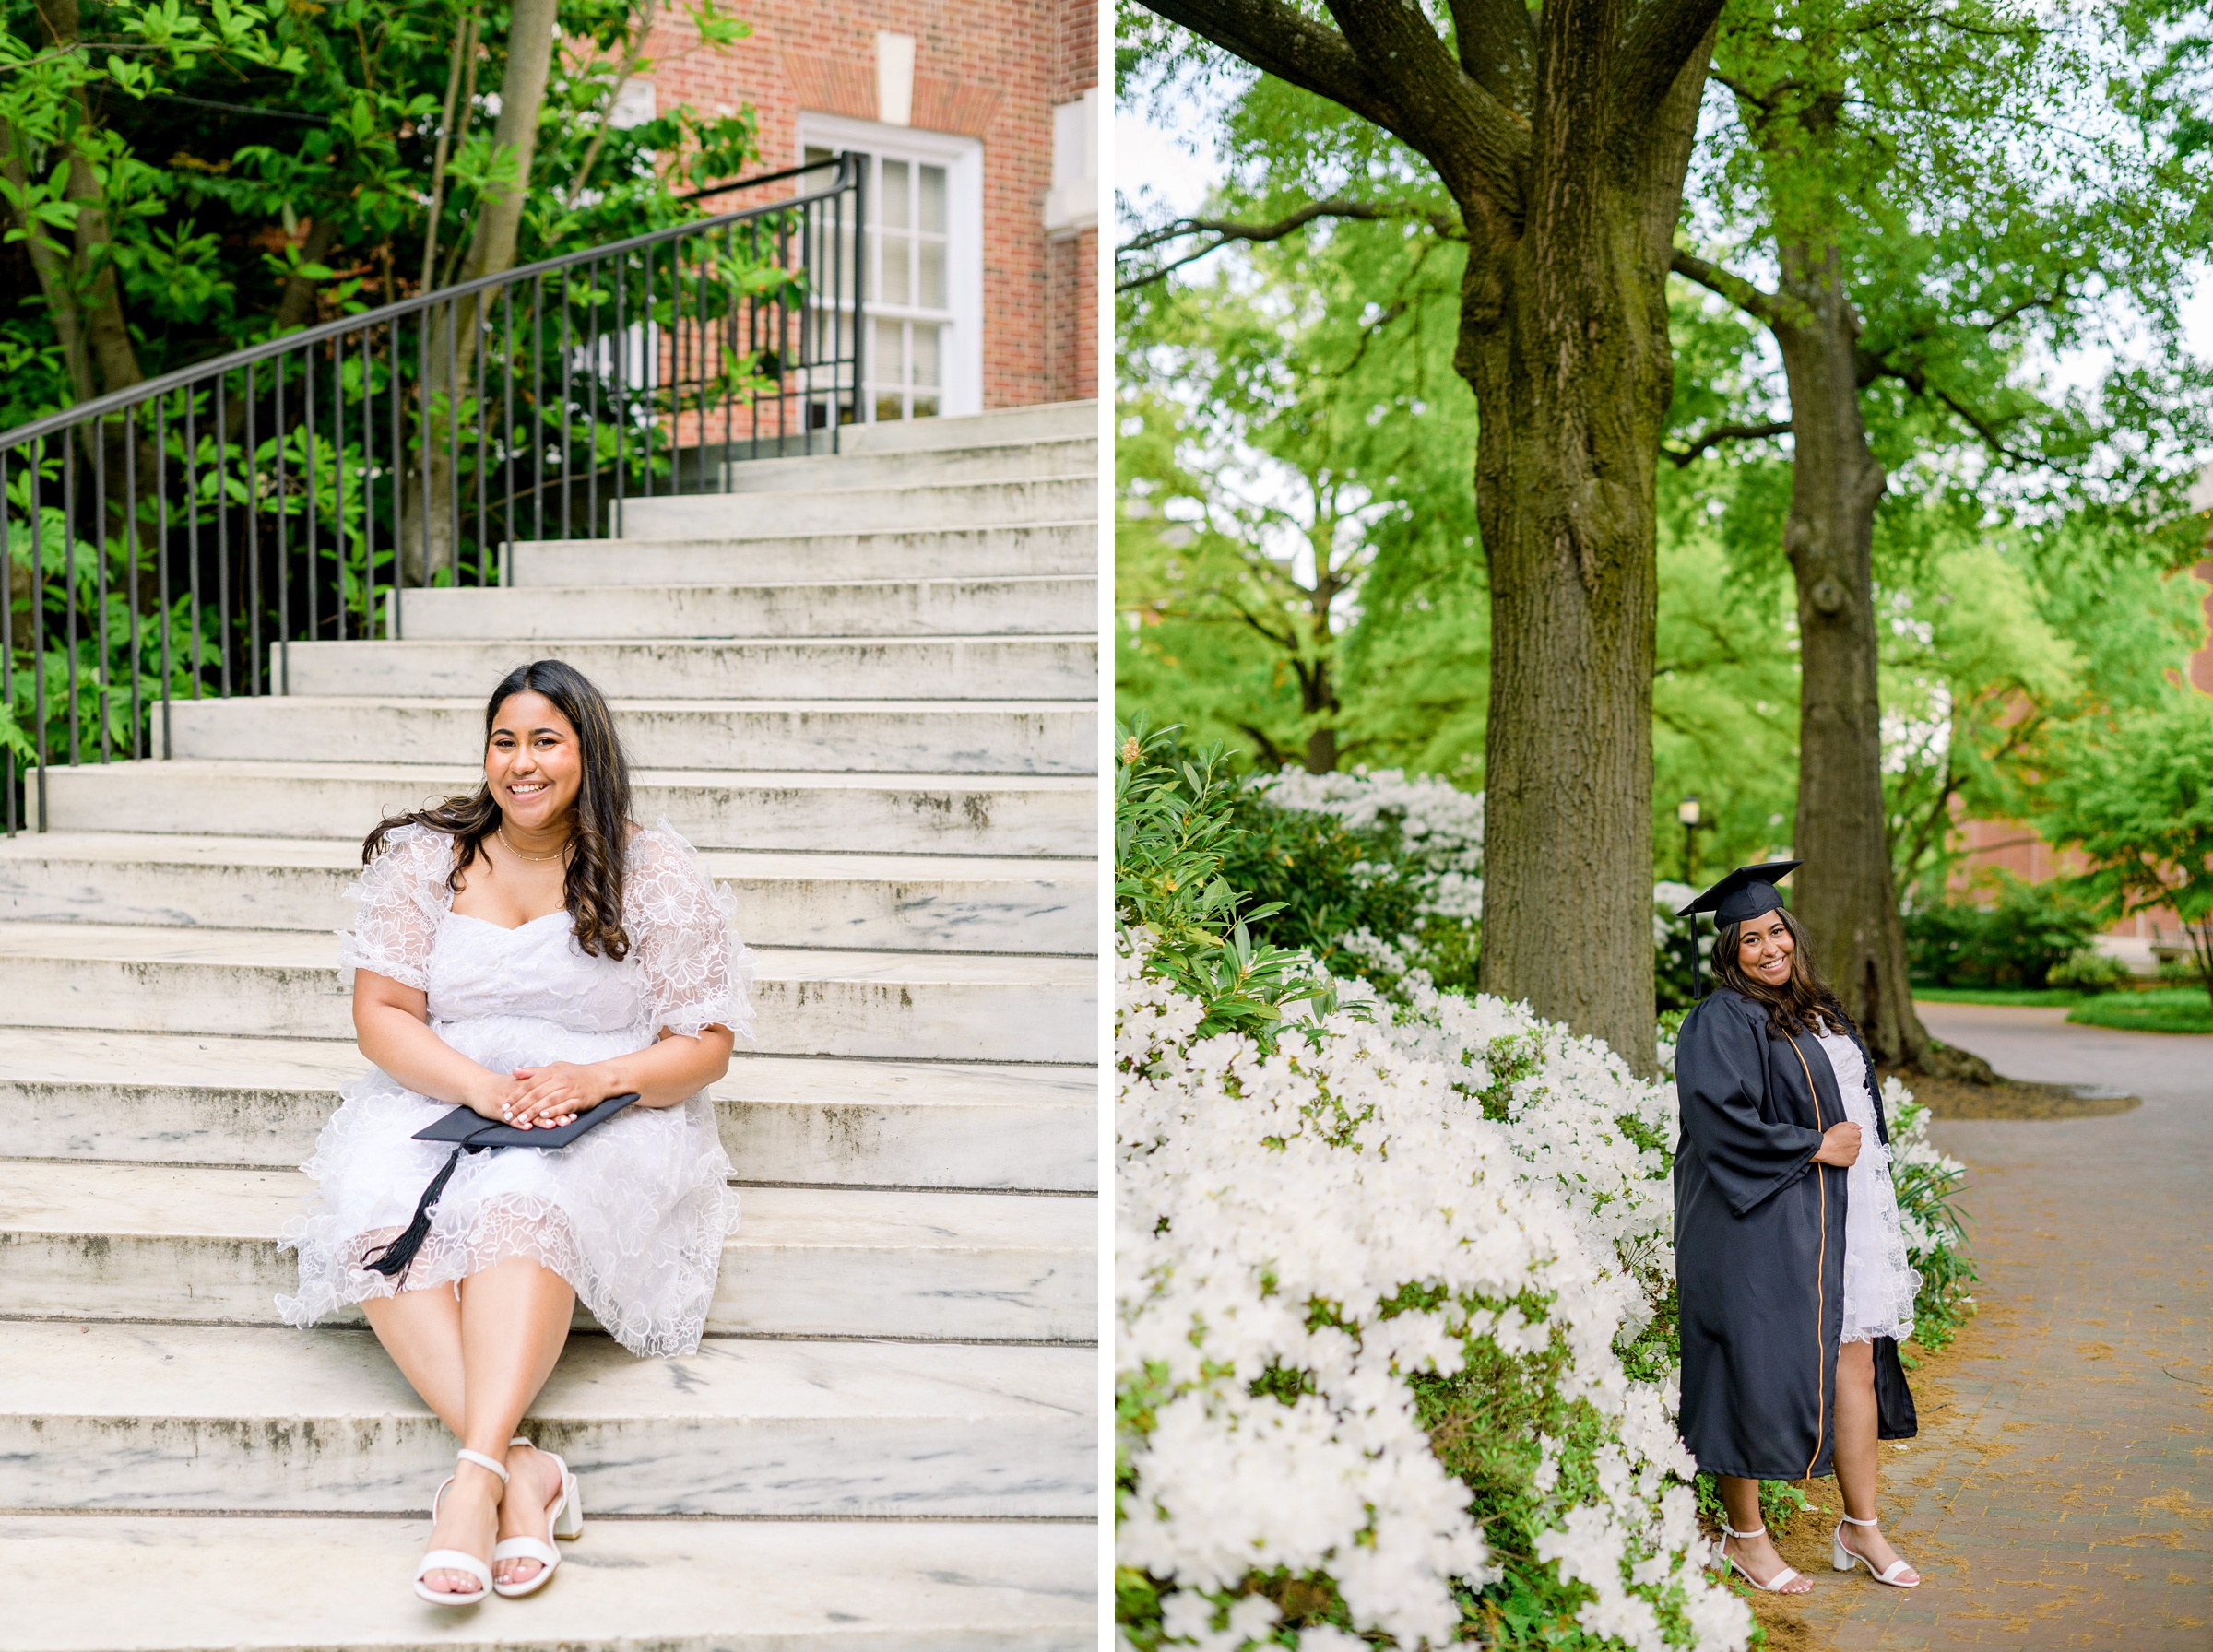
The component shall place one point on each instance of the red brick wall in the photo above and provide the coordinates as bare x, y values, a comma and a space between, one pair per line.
1076, 68
987, 69
1075, 284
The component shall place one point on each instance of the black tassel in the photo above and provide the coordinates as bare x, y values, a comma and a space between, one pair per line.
397, 1256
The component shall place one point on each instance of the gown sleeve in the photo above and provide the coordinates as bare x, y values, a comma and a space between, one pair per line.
402, 896
698, 975
1720, 1081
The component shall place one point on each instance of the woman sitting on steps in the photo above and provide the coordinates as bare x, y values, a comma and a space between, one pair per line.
525, 951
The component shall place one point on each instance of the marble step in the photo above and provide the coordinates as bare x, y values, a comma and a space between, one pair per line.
885, 736
1003, 461
1065, 667
182, 1098
1046, 421
207, 1418
283, 984
724, 603
934, 814
765, 552
170, 1245
901, 902
1026, 501
173, 1584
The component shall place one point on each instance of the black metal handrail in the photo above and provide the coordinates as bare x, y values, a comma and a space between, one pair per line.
293, 491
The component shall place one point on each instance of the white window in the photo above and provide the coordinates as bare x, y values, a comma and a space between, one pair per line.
924, 265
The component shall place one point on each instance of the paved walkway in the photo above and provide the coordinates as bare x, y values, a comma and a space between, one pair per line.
2061, 1492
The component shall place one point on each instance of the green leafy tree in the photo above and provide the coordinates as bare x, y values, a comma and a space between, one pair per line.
1557, 137
1930, 189
2138, 801
69, 178
250, 167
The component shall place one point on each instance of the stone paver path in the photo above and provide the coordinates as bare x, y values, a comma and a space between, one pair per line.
2061, 1492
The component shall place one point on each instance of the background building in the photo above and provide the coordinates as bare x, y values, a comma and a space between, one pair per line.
980, 120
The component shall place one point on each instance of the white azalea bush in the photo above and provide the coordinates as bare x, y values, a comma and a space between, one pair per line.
1439, 827
1927, 1177
1395, 1352
1388, 1359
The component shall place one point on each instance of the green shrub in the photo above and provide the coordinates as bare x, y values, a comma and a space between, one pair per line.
2182, 970
1174, 826
2015, 937
2089, 970
1330, 885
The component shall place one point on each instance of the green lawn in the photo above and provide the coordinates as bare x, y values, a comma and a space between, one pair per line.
2162, 1009
2012, 996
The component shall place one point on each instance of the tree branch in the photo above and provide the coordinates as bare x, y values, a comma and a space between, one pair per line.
1753, 300
1918, 384
1478, 145
1659, 41
1279, 41
1498, 48
1725, 433
1226, 230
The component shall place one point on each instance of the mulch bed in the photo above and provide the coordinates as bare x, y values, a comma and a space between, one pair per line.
1957, 1098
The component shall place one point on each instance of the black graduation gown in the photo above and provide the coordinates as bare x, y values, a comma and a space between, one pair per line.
1759, 1248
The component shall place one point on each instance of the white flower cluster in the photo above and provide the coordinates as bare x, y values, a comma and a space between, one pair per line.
1335, 1218
1911, 1149
1440, 825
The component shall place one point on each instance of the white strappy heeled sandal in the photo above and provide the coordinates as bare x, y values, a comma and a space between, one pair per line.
566, 1521
1843, 1558
455, 1560
1776, 1585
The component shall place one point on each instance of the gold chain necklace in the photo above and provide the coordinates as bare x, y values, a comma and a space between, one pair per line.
533, 859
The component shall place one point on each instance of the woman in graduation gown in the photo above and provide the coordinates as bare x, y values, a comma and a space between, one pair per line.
1789, 1264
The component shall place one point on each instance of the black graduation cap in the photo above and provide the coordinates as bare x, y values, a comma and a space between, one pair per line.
1745, 893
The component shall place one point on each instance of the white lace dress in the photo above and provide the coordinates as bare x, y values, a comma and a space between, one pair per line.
1879, 1287
634, 1213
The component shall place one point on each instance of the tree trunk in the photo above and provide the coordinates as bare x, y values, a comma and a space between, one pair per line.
53, 272
1846, 893
296, 307
429, 542
1564, 338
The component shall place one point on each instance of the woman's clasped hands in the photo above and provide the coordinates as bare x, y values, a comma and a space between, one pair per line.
542, 1098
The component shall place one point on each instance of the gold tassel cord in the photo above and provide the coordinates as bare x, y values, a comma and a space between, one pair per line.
1821, 1279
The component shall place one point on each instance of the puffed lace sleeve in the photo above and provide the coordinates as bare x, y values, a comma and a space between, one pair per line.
683, 925
402, 896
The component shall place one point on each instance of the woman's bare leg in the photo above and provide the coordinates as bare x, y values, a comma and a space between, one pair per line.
514, 1320
1859, 1453
421, 1330
1740, 1497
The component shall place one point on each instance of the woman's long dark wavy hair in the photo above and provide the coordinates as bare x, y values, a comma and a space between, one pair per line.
1803, 1003
599, 819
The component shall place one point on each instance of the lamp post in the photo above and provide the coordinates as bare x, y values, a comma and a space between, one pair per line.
1686, 812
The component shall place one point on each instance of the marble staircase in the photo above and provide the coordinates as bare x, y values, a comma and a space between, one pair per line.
865, 686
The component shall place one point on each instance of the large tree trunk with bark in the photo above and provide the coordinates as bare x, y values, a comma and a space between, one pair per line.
1564, 339
1563, 134
1846, 893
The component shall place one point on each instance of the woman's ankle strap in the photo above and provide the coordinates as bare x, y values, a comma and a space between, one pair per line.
1758, 1531
1849, 1521
466, 1455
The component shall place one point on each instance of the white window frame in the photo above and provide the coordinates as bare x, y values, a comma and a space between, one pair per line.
961, 358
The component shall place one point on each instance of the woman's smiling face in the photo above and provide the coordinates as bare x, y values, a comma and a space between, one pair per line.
532, 762
1764, 947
